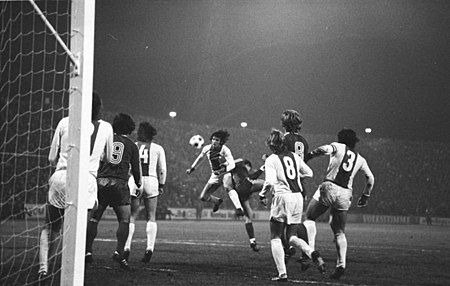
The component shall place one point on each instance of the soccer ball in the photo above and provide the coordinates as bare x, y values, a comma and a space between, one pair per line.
196, 141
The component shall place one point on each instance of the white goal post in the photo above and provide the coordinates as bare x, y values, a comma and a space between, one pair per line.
46, 73
80, 108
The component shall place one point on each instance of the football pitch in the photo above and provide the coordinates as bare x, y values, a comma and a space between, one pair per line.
218, 253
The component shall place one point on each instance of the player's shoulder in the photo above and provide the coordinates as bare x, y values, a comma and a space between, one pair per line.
272, 158
206, 148
63, 124
64, 121
104, 126
156, 147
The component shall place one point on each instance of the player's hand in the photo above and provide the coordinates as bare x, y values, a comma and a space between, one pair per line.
263, 200
161, 190
264, 157
220, 171
190, 170
363, 201
138, 191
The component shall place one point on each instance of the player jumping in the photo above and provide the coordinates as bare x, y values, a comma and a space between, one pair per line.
221, 162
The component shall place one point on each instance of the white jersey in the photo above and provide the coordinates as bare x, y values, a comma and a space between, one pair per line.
153, 161
344, 164
102, 147
60, 145
215, 156
283, 172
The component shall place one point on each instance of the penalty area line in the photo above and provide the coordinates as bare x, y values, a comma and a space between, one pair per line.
322, 283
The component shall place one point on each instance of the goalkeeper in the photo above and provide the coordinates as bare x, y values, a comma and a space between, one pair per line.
336, 191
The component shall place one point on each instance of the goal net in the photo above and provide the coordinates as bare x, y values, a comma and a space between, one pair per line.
36, 69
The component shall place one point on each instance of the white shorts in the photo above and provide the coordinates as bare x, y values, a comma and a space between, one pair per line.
91, 198
332, 195
57, 189
287, 208
218, 179
149, 189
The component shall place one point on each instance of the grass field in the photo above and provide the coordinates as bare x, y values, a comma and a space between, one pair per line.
218, 253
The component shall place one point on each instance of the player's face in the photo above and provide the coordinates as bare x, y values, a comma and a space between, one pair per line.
215, 141
248, 167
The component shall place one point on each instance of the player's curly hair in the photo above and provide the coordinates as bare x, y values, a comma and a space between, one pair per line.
348, 137
276, 141
222, 134
291, 120
96, 106
146, 132
123, 124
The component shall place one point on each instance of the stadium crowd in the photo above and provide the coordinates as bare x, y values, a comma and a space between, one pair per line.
412, 176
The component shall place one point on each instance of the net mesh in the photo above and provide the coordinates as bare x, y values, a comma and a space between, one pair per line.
34, 95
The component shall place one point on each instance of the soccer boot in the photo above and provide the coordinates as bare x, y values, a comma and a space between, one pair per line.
122, 261
240, 212
126, 254
217, 205
288, 253
315, 255
254, 246
304, 261
43, 278
338, 272
116, 256
280, 278
88, 257
147, 256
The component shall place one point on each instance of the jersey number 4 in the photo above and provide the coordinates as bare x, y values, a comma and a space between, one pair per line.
143, 154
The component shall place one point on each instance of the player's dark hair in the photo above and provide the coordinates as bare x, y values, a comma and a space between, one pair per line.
347, 137
222, 134
291, 120
276, 141
96, 106
123, 124
247, 162
146, 132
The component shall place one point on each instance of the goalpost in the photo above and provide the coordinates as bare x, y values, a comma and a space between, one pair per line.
46, 70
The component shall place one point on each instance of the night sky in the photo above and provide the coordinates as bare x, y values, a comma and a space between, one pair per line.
347, 63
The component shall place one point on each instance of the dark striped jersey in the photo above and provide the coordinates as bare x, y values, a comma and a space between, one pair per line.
125, 155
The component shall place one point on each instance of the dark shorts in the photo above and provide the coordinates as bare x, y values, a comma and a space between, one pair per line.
113, 192
244, 190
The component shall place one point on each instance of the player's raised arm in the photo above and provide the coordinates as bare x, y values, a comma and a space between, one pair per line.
196, 163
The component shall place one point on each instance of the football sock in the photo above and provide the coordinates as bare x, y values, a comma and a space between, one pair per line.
130, 236
341, 247
278, 254
151, 230
122, 235
90, 235
235, 199
302, 233
301, 244
311, 231
250, 230
43, 251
